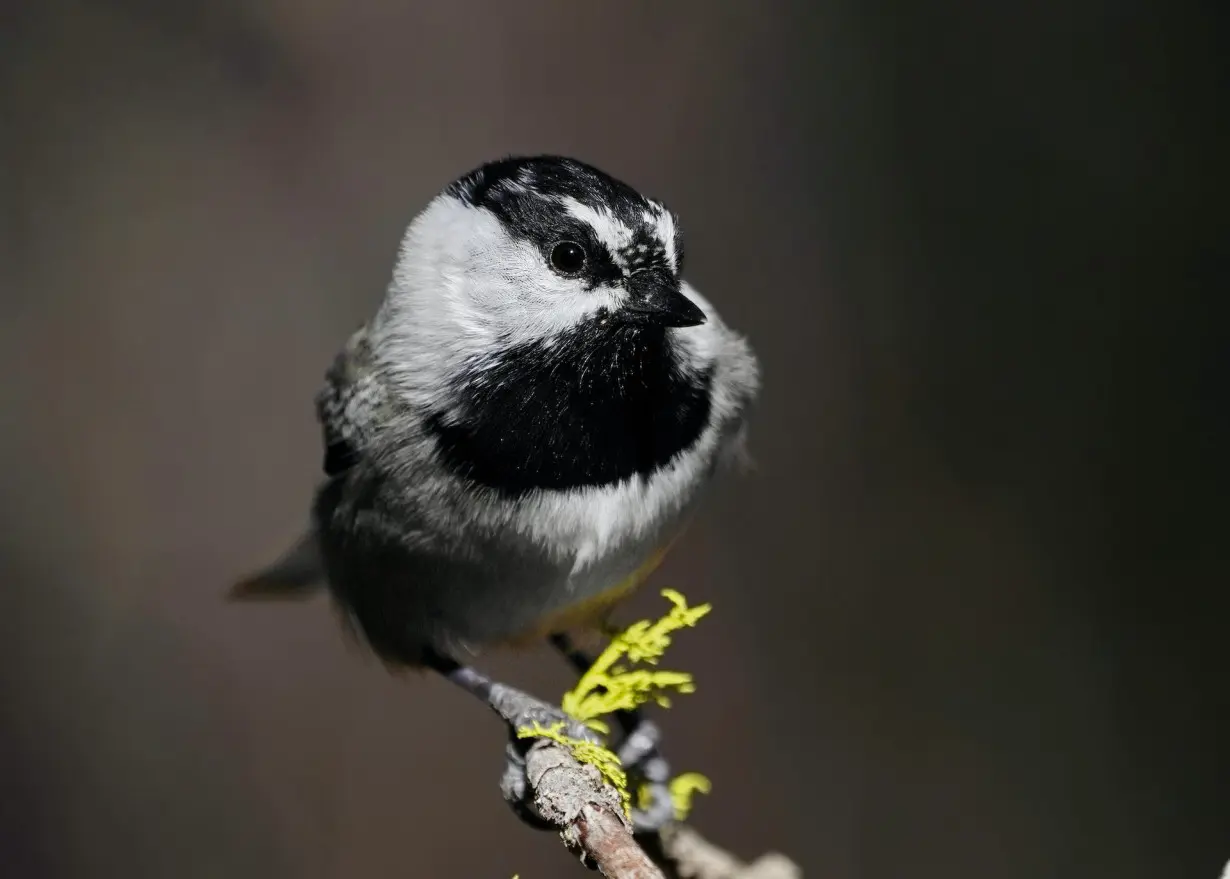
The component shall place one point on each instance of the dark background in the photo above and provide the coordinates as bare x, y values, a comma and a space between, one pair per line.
970, 611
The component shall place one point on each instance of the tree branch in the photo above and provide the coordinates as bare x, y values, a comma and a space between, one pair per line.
688, 855
574, 798
587, 811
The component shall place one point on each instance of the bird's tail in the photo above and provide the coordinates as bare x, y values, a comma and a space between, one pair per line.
299, 573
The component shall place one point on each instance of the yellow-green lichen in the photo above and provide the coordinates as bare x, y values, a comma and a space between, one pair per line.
612, 685
682, 788
603, 759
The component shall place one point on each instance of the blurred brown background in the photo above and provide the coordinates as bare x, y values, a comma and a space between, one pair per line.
970, 611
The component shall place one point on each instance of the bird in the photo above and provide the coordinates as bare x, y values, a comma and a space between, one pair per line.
525, 426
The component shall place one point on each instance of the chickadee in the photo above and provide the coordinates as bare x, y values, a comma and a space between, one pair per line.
515, 439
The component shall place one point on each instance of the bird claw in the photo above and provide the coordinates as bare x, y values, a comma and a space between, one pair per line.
649, 775
638, 753
515, 786
521, 711
658, 811
649, 772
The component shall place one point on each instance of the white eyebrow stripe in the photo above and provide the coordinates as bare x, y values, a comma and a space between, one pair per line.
618, 236
666, 234
610, 231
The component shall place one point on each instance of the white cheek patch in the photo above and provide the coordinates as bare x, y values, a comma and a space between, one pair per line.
462, 277
510, 280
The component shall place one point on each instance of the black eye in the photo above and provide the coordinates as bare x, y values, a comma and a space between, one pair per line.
568, 257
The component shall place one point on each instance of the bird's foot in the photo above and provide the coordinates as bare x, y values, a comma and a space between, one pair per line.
523, 712
648, 773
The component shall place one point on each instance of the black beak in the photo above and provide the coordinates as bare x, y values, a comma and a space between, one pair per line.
655, 299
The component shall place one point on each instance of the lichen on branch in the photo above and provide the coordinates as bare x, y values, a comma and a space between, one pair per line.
615, 683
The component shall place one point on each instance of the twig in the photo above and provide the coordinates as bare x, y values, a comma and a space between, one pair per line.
574, 798
688, 855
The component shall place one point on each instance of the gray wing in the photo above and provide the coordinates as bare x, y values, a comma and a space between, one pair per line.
347, 406
347, 403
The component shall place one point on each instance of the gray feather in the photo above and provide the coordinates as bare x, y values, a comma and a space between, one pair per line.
417, 554
297, 574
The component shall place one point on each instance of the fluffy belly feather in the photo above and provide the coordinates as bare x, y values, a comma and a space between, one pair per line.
591, 611
410, 585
